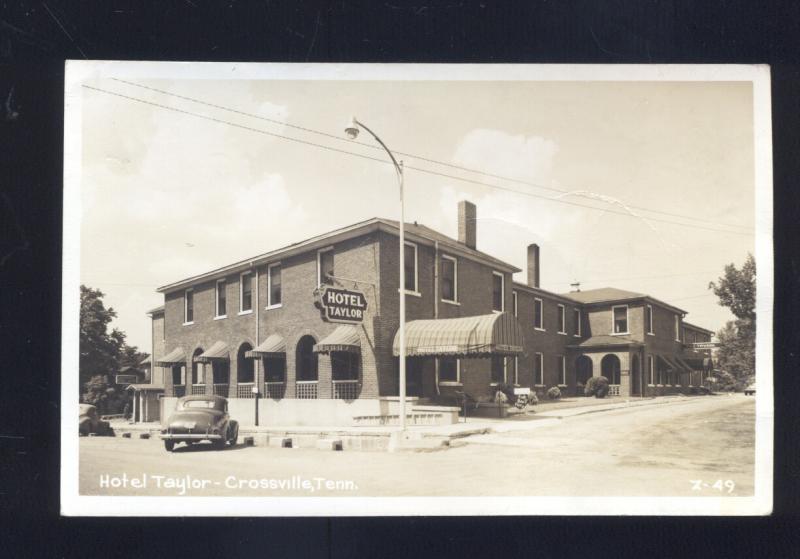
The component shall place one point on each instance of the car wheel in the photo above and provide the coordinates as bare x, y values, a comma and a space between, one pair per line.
169, 445
235, 436
218, 444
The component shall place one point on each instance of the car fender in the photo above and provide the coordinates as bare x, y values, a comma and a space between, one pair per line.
233, 428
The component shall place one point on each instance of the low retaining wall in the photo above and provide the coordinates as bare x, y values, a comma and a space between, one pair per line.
328, 412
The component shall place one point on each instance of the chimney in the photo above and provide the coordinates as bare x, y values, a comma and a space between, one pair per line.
467, 216
533, 265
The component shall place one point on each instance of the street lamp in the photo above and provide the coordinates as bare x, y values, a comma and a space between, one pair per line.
352, 130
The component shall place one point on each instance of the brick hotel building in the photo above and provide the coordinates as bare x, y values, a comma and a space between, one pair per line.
254, 326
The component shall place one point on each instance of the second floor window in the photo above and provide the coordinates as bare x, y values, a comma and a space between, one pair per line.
324, 266
498, 291
562, 370
514, 300
221, 303
648, 318
677, 328
246, 292
538, 321
562, 327
449, 279
620, 319
188, 306
274, 287
410, 272
577, 331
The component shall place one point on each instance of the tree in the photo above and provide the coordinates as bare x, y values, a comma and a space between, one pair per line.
737, 340
102, 353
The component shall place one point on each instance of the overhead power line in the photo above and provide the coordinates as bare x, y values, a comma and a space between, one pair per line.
405, 154
419, 169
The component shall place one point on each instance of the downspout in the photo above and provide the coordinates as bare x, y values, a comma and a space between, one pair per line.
436, 305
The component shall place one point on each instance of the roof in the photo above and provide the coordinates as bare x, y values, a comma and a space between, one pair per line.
542, 292
144, 387
602, 295
483, 335
157, 310
344, 338
614, 295
606, 341
414, 232
700, 328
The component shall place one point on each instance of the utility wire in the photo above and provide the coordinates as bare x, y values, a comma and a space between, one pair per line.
405, 154
422, 170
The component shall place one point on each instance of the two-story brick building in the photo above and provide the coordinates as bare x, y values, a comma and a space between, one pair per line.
255, 328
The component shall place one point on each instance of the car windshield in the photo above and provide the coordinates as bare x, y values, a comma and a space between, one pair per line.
204, 404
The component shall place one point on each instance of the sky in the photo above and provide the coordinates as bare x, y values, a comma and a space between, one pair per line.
166, 194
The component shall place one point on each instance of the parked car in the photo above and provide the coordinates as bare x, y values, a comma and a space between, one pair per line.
89, 421
200, 418
750, 390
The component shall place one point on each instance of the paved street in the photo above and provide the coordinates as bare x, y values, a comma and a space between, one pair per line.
649, 450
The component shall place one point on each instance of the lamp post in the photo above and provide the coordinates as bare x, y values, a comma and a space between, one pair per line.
352, 131
254, 390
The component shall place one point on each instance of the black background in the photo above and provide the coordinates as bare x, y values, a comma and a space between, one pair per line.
35, 39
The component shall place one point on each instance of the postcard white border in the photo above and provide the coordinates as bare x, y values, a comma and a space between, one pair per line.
73, 504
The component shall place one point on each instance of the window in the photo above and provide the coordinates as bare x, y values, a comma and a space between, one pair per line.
651, 372
221, 303
516, 370
577, 331
648, 318
246, 292
538, 369
324, 265
410, 271
677, 328
449, 369
538, 321
345, 365
274, 286
188, 306
449, 279
498, 369
514, 299
620, 319
562, 370
562, 319
498, 292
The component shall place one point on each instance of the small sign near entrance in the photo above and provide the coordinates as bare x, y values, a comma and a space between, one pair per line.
704, 345
340, 305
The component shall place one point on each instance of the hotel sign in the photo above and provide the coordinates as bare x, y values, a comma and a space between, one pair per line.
347, 306
704, 345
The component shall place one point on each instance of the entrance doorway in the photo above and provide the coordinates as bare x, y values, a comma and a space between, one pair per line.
583, 369
610, 367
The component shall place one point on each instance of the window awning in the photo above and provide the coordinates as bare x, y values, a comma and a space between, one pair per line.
671, 363
175, 357
344, 338
273, 346
471, 336
217, 351
692, 363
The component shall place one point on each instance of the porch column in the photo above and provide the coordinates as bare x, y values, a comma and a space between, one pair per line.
624, 374
135, 397
169, 389
208, 377
324, 376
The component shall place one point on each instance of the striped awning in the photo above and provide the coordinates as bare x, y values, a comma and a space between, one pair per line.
344, 338
175, 357
667, 363
692, 363
471, 336
273, 346
217, 351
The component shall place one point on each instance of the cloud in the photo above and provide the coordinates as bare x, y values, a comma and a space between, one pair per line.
517, 156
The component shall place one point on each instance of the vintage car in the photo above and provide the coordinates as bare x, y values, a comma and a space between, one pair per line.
200, 418
89, 421
750, 390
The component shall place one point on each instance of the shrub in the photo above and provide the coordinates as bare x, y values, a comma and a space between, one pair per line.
554, 393
508, 390
597, 387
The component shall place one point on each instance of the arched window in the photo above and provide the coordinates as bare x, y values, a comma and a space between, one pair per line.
306, 360
245, 372
198, 370
611, 368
